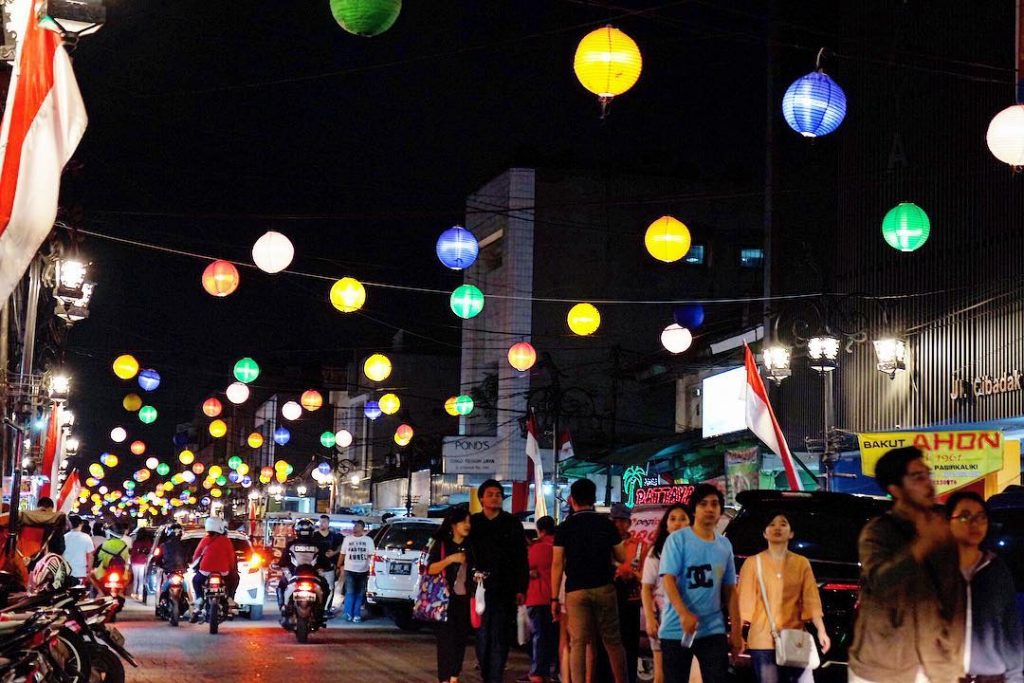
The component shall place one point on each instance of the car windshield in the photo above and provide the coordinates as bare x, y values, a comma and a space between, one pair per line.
407, 537
1006, 538
243, 549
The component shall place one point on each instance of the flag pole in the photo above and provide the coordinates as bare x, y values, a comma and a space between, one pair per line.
554, 471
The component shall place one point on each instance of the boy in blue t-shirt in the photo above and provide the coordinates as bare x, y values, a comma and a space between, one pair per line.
699, 575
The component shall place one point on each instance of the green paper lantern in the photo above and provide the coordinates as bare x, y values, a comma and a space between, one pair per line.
222, 481
147, 415
906, 227
246, 370
467, 301
234, 462
327, 440
366, 18
162, 469
463, 404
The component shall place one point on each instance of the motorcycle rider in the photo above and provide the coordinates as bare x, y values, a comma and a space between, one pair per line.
302, 550
113, 555
170, 557
215, 555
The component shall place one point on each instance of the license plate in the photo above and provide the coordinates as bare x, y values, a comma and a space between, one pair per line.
402, 568
116, 636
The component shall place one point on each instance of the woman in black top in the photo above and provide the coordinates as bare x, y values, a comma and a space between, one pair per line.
451, 554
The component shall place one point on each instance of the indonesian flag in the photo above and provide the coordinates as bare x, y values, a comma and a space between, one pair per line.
565, 450
540, 508
44, 121
68, 493
762, 421
51, 463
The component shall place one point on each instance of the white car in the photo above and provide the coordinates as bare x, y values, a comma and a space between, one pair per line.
395, 566
252, 571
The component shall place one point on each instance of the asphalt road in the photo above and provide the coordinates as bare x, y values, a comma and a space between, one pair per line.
374, 651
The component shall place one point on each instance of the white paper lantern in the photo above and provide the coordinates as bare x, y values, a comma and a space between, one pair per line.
118, 434
343, 438
676, 339
273, 252
1006, 135
291, 410
237, 392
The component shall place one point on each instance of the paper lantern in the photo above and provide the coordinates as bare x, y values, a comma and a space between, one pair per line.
214, 472
162, 469
814, 105
132, 402
389, 404
242, 468
234, 462
467, 301
324, 469
125, 366
246, 370
186, 457
218, 428
906, 227
149, 380
141, 475
138, 447
667, 239
584, 319
690, 316
96, 470
281, 466
118, 434
273, 252
282, 436
151, 463
311, 400
366, 18
180, 439
348, 295
198, 468
377, 367
281, 477
216, 493
327, 440
372, 410
212, 407
464, 404
522, 356
147, 415
255, 440
1005, 136
457, 248
220, 278
676, 339
237, 392
246, 482
607, 62
450, 406
403, 435
109, 460
291, 410
343, 438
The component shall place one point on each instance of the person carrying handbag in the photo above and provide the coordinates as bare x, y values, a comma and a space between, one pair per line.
778, 594
450, 555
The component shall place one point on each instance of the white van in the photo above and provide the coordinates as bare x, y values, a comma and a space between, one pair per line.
395, 566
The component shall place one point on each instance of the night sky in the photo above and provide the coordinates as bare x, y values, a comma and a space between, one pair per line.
213, 121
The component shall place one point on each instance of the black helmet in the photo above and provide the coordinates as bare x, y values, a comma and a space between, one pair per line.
304, 528
173, 531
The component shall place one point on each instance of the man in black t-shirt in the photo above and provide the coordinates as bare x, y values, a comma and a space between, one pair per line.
329, 543
585, 544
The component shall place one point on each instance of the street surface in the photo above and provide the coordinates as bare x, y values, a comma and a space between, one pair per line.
374, 651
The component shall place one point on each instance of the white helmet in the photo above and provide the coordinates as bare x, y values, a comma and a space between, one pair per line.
216, 524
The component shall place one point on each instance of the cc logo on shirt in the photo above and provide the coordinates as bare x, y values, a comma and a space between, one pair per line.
699, 576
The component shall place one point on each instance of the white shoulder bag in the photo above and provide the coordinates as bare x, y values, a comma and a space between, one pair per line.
793, 647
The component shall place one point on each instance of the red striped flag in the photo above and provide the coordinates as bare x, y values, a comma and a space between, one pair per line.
762, 421
68, 493
44, 121
533, 453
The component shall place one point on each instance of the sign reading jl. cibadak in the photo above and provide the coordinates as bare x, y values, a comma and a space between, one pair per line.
986, 385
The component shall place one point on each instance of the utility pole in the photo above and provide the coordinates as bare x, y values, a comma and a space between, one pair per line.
616, 368
27, 359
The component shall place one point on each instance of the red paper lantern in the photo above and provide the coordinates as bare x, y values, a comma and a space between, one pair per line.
212, 407
138, 447
522, 356
312, 400
220, 278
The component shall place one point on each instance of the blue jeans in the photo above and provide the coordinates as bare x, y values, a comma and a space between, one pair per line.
711, 651
767, 671
545, 641
497, 628
355, 591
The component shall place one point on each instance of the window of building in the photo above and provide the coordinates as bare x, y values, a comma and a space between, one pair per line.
751, 258
695, 257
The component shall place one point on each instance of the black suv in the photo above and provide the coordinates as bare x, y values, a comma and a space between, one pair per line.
826, 527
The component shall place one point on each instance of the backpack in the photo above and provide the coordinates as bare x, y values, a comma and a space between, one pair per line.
115, 560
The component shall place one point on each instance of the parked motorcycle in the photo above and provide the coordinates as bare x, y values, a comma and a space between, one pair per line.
304, 600
173, 602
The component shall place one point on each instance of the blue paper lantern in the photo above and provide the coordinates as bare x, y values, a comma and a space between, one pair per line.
690, 316
233, 477
282, 436
246, 481
814, 105
149, 380
372, 410
457, 248
205, 500
324, 468
180, 439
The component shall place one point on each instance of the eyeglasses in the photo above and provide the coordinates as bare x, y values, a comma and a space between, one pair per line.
919, 475
968, 518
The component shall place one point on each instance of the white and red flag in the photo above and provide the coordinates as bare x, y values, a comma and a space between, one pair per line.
540, 508
564, 450
43, 122
68, 493
762, 421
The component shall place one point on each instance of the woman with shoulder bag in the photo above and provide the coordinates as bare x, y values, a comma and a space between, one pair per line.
785, 581
450, 554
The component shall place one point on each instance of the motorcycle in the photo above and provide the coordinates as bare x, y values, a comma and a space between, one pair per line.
214, 604
173, 601
113, 586
304, 599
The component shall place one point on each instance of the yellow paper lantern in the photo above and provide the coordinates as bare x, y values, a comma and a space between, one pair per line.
403, 435
377, 367
607, 62
389, 404
281, 477
451, 406
186, 457
584, 319
255, 440
214, 472
218, 428
667, 239
348, 295
126, 367
216, 493
132, 402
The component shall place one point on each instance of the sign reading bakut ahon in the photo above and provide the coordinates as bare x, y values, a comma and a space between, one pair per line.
955, 458
986, 385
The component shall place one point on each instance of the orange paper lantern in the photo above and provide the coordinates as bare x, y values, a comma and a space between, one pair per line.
212, 407
220, 278
311, 400
522, 356
138, 447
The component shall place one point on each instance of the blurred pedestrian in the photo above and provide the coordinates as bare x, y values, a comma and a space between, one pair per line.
499, 548
98, 535
675, 518
628, 576
544, 660
356, 551
910, 623
994, 639
329, 543
451, 553
788, 581
78, 549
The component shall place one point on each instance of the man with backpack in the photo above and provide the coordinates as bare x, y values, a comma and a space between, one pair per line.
113, 555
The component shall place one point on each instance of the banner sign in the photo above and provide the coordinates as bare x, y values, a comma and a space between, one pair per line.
742, 472
643, 523
955, 458
470, 454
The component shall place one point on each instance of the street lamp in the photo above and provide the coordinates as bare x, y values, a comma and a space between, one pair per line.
776, 362
74, 18
71, 290
301, 490
823, 352
60, 386
892, 356
71, 445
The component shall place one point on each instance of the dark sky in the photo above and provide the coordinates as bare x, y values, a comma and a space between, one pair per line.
212, 122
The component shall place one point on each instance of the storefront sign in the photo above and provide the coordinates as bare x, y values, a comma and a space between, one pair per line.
664, 495
986, 385
643, 524
470, 454
742, 471
955, 458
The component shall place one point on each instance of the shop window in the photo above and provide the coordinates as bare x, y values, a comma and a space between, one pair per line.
695, 257
751, 258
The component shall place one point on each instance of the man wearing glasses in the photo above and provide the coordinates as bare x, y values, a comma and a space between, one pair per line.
910, 626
